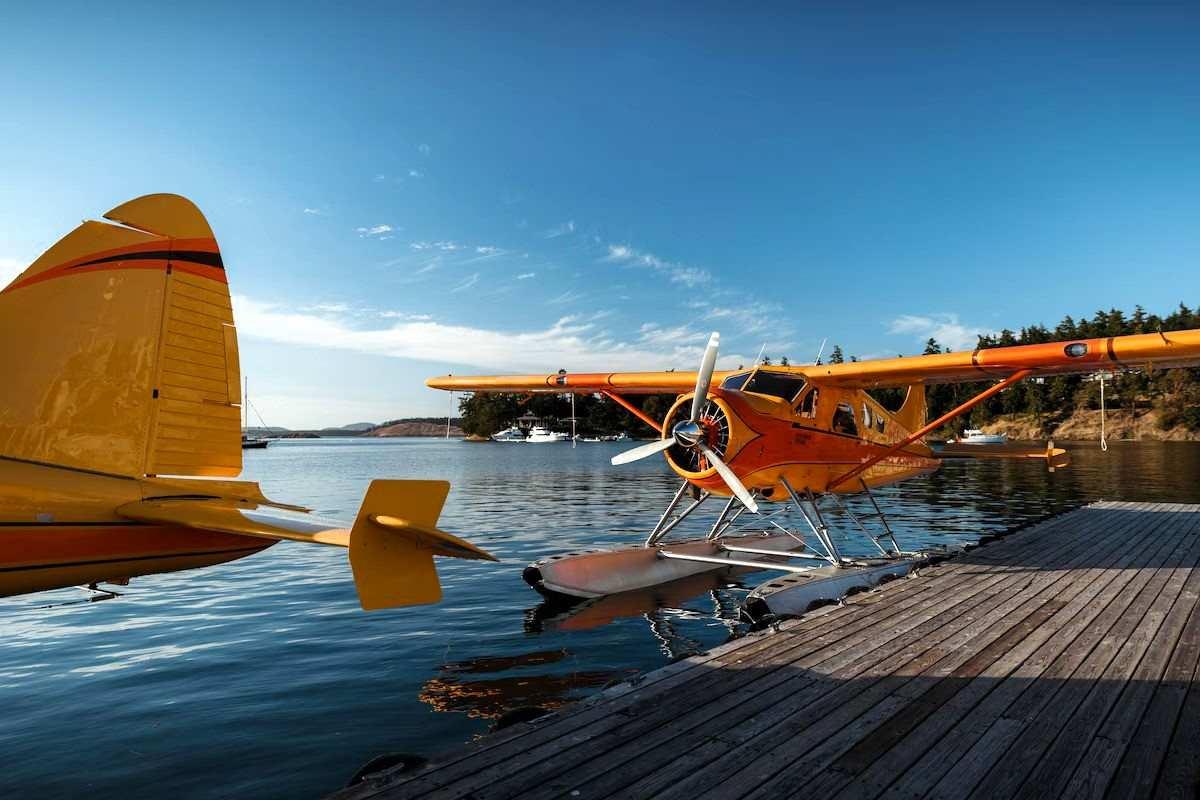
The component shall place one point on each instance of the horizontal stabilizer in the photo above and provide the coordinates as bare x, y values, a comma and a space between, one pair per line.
1055, 457
392, 543
394, 540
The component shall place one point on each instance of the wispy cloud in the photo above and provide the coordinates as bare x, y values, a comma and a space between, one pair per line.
751, 317
571, 342
676, 272
375, 231
416, 173
423, 149
379, 178
569, 296
524, 276
404, 316
316, 212
444, 246
488, 250
470, 281
561, 229
945, 327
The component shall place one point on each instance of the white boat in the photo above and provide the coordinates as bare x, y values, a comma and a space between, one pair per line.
540, 435
513, 434
976, 436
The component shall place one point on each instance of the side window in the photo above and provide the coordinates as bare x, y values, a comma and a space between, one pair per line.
808, 406
866, 417
843, 420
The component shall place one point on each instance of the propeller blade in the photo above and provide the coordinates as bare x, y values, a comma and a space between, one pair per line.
641, 451
730, 479
704, 376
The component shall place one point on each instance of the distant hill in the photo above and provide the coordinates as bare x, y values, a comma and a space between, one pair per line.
416, 428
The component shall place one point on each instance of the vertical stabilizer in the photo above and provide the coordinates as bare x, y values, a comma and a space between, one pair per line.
118, 349
912, 414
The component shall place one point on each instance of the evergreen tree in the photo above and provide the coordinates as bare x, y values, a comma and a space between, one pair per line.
835, 355
484, 414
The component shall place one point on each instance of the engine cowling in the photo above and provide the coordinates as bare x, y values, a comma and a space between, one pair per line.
724, 433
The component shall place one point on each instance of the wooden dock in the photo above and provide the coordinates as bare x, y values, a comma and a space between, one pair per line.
1057, 661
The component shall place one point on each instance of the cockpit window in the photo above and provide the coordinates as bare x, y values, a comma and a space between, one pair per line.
775, 384
843, 420
735, 382
808, 406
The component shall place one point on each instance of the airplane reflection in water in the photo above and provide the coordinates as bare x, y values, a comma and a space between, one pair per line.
492, 698
660, 606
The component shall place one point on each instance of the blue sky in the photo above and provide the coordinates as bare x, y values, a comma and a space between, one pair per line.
408, 190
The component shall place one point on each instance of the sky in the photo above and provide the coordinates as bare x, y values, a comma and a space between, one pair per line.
408, 190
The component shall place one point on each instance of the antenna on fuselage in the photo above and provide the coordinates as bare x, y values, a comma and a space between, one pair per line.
761, 350
821, 351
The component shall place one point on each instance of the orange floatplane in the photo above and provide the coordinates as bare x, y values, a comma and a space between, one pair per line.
119, 425
802, 436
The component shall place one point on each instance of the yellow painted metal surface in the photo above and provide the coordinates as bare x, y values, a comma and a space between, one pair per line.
114, 351
392, 558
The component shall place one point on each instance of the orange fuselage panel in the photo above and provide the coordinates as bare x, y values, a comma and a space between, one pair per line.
49, 556
771, 441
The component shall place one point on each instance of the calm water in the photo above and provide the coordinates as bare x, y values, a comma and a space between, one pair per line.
262, 678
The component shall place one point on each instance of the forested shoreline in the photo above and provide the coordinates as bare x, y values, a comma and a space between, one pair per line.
1161, 404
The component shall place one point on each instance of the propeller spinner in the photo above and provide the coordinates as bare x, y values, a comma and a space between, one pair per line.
692, 433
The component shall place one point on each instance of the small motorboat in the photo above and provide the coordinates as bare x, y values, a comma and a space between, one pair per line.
976, 436
540, 435
513, 434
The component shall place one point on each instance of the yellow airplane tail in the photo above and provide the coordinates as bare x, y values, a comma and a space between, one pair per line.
392, 556
118, 351
912, 414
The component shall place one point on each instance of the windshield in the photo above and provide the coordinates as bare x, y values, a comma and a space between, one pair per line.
775, 384
735, 382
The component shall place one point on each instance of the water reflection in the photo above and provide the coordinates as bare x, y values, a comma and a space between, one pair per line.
492, 697
203, 678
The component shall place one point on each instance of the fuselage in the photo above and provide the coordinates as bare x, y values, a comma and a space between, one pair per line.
59, 528
805, 434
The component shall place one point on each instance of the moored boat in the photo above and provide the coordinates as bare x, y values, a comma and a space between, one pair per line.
976, 436
540, 435
511, 434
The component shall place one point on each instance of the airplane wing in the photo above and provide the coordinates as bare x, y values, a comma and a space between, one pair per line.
1142, 351
391, 555
577, 383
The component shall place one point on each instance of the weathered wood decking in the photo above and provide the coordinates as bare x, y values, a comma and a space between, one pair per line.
1058, 661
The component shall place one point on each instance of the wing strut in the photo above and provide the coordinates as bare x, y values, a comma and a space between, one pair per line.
930, 427
632, 409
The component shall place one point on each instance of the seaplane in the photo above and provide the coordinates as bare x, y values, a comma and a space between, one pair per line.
803, 437
120, 429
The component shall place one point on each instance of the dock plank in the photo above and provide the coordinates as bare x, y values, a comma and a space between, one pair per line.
1059, 660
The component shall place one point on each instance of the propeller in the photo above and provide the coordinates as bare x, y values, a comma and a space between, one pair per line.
704, 376
643, 450
690, 433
